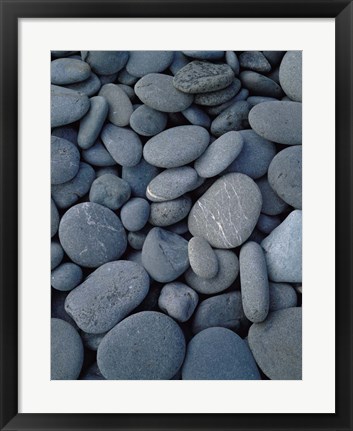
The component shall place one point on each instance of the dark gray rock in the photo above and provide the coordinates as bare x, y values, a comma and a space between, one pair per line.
218, 97
157, 91
92, 373
290, 75
178, 300
260, 85
285, 175
165, 255
147, 121
228, 212
124, 145
125, 78
120, 107
66, 354
69, 133
205, 55
235, 117
180, 227
92, 341
233, 61
56, 254
179, 61
66, 276
219, 354
283, 250
279, 122
141, 63
105, 62
91, 124
197, 116
89, 87
136, 239
282, 295
274, 57
170, 212
219, 155
203, 77
203, 259
110, 191
58, 307
97, 155
228, 270
144, 346
92, 235
139, 176
107, 296
64, 160
59, 54
68, 71
134, 214
176, 147
267, 223
272, 204
54, 218
254, 282
254, 60
67, 106
276, 344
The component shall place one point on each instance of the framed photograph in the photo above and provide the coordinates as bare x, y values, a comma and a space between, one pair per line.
177, 171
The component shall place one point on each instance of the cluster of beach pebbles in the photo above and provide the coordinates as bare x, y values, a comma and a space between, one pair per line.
176, 215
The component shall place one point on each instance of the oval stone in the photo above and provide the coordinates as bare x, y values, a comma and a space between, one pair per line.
282, 295
120, 107
218, 97
178, 300
290, 75
141, 63
134, 214
147, 121
64, 160
197, 116
66, 276
68, 71
254, 60
260, 85
235, 117
272, 204
170, 212
233, 61
90, 86
98, 155
67, 106
91, 124
105, 62
203, 259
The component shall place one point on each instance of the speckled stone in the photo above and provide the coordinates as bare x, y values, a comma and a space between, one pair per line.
97, 155
141, 63
203, 259
178, 300
110, 191
170, 212
205, 55
144, 346
197, 116
219, 354
147, 121
218, 97
228, 270
276, 344
54, 218
134, 214
66, 276
254, 60
260, 85
157, 91
89, 87
290, 75
165, 255
216, 110
91, 124
176, 147
139, 176
233, 61
65, 160
92, 235
272, 204
68, 71
66, 353
267, 223
235, 117
283, 250
105, 62
120, 107
282, 295
56, 254
67, 106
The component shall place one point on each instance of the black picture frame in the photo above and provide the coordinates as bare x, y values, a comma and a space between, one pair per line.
11, 11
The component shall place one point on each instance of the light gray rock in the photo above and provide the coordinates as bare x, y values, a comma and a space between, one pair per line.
170, 212
254, 60
120, 107
66, 276
97, 155
54, 218
141, 63
67, 106
178, 300
290, 75
139, 176
110, 191
272, 204
235, 117
147, 121
203, 259
134, 214
91, 124
68, 71
105, 62
282, 295
64, 160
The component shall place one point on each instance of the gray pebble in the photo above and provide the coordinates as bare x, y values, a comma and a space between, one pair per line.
89, 87
92, 341
91, 124
125, 78
218, 97
139, 176
254, 60
283, 250
92, 235
176, 147
255, 100
170, 212
120, 107
282, 295
105, 62
267, 223
197, 116
235, 117
205, 55
147, 121
141, 63
108, 79
260, 85
66, 276
110, 191
233, 61
144, 346
219, 354
134, 214
180, 227
56, 254
67, 106
97, 155
69, 133
179, 61
157, 91
137, 239
65, 160
203, 259
228, 270
54, 218
290, 75
128, 90
68, 71
178, 300
272, 204
276, 344
124, 145
165, 255
279, 122
66, 354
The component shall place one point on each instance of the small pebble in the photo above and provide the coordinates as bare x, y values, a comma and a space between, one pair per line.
65, 71
91, 124
105, 62
254, 60
178, 300
260, 85
170, 212
218, 97
282, 295
147, 121
134, 214
110, 191
235, 117
203, 259
56, 254
272, 204
233, 62
197, 116
65, 160
66, 276
120, 107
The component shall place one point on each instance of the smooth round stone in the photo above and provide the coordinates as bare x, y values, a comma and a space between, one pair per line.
66, 353
171, 184
254, 282
285, 175
89, 87
68, 71
282, 295
105, 62
66, 276
97, 155
283, 250
178, 300
179, 61
272, 204
67, 106
235, 117
56, 254
141, 63
165, 255
120, 107
218, 97
260, 85
91, 124
254, 60
228, 270
203, 77
158, 92
197, 116
279, 122
255, 100
219, 155
139, 176
54, 218
92, 235
228, 212
125, 78
223, 310
92, 341
107, 296
202, 257
144, 346
276, 344
69, 133
134, 214
65, 195
205, 55
290, 75
255, 156
274, 57
65, 160
110, 191
170, 212
267, 223
124, 145
233, 61
147, 121
216, 110
219, 354
176, 147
